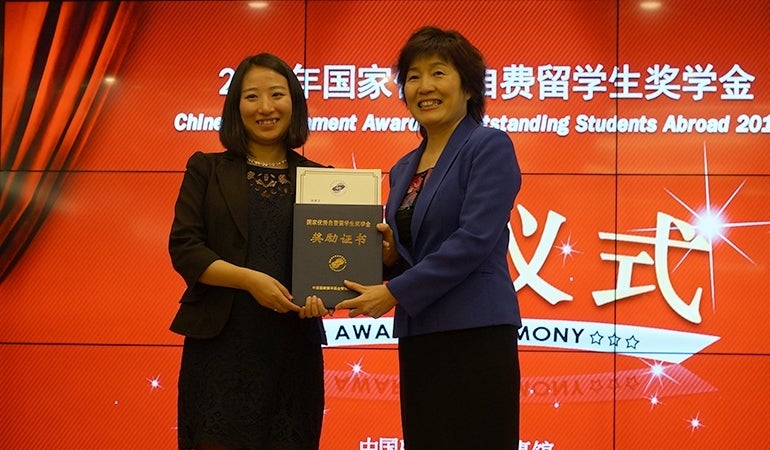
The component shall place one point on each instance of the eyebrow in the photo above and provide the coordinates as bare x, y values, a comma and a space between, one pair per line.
439, 62
272, 88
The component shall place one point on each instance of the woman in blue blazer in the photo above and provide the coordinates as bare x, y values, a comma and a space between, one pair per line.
445, 254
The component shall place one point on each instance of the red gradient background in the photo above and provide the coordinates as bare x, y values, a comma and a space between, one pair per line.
87, 358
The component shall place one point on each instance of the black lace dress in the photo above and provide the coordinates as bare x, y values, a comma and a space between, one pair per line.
259, 384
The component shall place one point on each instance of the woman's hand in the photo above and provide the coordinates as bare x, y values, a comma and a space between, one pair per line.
266, 290
389, 254
270, 293
314, 307
373, 301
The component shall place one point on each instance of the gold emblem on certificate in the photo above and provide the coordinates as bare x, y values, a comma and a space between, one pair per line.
337, 263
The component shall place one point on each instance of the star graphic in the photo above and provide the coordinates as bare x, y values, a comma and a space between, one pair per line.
356, 369
596, 338
632, 342
695, 423
154, 383
657, 372
654, 401
567, 249
614, 340
710, 223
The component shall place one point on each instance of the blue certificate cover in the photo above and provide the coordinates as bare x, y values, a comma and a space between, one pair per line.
333, 243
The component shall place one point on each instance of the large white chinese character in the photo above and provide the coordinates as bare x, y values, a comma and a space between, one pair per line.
736, 83
625, 81
372, 81
700, 79
554, 81
528, 271
660, 82
517, 81
661, 242
623, 289
306, 78
339, 81
589, 80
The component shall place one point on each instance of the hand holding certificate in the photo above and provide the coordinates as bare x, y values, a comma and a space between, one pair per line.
335, 234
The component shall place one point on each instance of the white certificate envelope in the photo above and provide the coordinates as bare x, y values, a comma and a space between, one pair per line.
324, 185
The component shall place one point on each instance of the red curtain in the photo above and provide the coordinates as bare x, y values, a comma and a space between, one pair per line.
56, 56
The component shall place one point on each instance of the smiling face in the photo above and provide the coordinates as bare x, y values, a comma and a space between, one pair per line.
434, 94
265, 106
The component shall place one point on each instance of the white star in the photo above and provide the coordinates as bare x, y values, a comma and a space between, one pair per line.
710, 223
654, 401
657, 371
356, 369
567, 249
695, 423
154, 383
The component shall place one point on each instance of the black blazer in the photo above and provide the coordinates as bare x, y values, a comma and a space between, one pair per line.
210, 223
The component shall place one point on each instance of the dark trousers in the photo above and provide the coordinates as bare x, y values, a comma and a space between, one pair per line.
460, 389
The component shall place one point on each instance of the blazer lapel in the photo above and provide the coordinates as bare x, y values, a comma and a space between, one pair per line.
231, 177
397, 192
448, 156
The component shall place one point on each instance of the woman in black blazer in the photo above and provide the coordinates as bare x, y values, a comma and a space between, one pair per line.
251, 374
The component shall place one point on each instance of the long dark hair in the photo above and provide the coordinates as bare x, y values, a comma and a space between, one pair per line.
453, 47
232, 133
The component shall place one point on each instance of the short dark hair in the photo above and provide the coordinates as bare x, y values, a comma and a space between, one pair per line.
453, 47
232, 133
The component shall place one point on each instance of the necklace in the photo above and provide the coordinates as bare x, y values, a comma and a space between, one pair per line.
250, 159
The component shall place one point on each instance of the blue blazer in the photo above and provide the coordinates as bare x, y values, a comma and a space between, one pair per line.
457, 276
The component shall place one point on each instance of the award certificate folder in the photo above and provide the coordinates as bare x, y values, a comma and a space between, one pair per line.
338, 186
333, 243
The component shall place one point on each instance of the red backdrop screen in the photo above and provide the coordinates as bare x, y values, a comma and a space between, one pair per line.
640, 241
